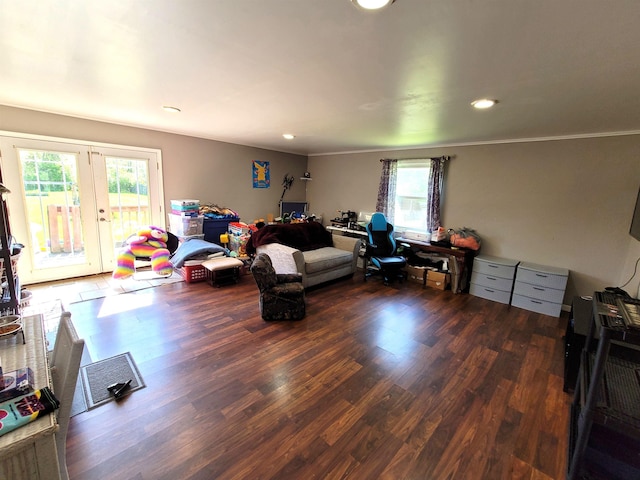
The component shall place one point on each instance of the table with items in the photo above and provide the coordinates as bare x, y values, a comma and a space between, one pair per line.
460, 265
29, 452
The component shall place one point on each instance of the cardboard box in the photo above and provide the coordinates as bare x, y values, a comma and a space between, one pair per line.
416, 274
438, 280
16, 383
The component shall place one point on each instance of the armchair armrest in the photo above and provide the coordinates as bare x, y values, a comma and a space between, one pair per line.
350, 244
288, 277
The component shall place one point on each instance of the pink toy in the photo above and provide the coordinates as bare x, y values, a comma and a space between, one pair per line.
148, 242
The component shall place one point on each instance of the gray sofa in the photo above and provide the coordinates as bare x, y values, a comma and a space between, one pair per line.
318, 265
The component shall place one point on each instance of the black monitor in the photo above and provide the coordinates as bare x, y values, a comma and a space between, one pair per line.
290, 207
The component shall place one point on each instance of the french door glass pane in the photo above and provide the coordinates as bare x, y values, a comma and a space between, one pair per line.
52, 195
129, 197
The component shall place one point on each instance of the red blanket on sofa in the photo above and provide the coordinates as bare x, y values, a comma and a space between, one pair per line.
303, 236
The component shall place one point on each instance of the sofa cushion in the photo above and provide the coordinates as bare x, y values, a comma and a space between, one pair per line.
326, 258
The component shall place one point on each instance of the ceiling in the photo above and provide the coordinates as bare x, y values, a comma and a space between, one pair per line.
338, 78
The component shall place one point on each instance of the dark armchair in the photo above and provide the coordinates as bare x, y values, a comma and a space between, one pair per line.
281, 295
381, 255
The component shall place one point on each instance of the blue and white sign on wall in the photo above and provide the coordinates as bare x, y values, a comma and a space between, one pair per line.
261, 174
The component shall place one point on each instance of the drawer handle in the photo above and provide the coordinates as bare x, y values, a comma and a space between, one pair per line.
539, 289
494, 266
489, 290
491, 278
535, 301
541, 275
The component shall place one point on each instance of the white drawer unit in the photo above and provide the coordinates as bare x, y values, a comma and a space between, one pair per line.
492, 278
540, 288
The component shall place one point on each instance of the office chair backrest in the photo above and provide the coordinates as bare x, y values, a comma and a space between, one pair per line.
379, 222
381, 235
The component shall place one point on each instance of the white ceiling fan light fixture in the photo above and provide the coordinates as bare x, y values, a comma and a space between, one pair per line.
372, 4
170, 109
288, 136
483, 103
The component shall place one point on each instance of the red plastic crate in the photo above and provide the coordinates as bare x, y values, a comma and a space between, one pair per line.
193, 273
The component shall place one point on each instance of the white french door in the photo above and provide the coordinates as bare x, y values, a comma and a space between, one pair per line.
72, 205
128, 196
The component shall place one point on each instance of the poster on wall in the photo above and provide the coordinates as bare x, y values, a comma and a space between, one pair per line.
261, 175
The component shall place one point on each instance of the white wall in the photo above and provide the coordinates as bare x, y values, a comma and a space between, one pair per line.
567, 203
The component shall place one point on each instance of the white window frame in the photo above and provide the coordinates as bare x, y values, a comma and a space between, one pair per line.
412, 219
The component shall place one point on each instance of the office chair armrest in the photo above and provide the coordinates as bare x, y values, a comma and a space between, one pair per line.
370, 249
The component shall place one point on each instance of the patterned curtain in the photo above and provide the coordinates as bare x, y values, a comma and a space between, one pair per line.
387, 189
436, 175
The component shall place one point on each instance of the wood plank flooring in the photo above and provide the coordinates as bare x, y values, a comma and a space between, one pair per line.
376, 382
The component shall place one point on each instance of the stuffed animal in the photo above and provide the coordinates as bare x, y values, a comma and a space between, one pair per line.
148, 242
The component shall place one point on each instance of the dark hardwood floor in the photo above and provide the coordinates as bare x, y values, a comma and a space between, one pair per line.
376, 382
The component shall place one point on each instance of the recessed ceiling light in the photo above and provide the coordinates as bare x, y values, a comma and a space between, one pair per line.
483, 103
167, 108
372, 4
289, 136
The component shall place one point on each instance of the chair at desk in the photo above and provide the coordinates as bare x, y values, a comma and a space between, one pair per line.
381, 255
65, 365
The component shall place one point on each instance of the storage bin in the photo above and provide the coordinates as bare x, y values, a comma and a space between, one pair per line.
214, 227
185, 204
185, 226
238, 244
193, 273
186, 213
238, 228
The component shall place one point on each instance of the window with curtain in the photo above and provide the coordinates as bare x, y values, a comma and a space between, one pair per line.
412, 189
409, 193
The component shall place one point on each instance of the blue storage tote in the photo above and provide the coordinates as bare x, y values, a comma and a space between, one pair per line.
214, 227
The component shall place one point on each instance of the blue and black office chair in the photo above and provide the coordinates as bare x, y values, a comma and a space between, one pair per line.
381, 254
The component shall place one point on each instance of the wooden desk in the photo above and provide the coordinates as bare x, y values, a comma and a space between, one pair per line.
461, 261
29, 452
